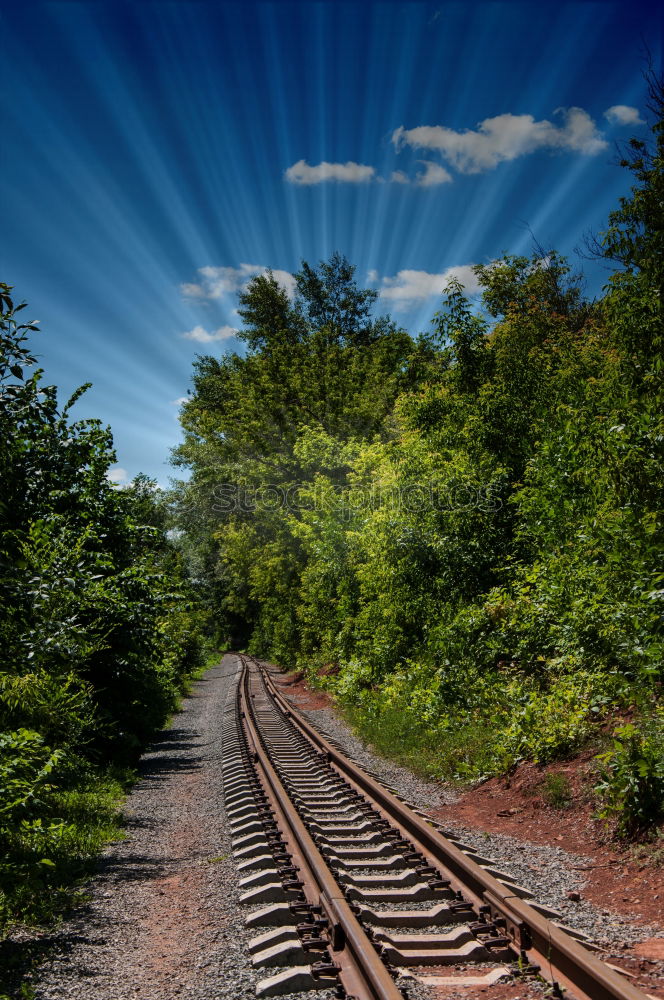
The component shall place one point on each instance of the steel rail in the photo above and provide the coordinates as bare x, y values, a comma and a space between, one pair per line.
360, 968
560, 958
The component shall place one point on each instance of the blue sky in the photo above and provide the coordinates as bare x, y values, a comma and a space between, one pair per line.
158, 154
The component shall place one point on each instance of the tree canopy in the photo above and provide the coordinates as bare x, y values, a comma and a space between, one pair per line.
460, 534
98, 627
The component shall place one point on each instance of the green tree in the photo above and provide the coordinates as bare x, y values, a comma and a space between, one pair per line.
98, 625
320, 361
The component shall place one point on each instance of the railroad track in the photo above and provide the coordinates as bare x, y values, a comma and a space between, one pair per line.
351, 886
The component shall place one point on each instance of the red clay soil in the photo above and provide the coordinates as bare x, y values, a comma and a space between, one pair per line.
293, 686
616, 878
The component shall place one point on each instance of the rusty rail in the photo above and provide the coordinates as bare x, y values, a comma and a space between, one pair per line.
561, 959
359, 967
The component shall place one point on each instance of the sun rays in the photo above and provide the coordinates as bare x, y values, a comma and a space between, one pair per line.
151, 141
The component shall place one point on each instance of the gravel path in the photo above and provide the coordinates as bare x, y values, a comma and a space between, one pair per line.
163, 921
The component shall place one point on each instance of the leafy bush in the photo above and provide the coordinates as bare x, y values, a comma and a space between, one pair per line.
632, 776
557, 790
26, 773
98, 625
513, 610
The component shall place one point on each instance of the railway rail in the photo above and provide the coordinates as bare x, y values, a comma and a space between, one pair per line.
350, 885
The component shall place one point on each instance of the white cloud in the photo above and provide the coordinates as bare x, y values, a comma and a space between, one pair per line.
432, 175
203, 336
116, 474
180, 400
407, 288
504, 137
217, 282
349, 173
623, 114
192, 291
398, 177
285, 279
372, 276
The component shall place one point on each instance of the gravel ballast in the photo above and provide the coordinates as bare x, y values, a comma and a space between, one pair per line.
163, 918
550, 873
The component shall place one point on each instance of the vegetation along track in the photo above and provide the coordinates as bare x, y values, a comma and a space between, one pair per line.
355, 885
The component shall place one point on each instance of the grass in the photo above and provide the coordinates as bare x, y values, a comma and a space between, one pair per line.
46, 860
557, 791
650, 853
212, 660
45, 863
443, 756
42, 875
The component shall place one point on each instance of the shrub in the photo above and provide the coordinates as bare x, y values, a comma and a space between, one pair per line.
98, 630
632, 776
557, 791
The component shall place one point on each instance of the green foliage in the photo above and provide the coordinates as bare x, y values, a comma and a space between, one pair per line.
557, 790
26, 765
319, 373
460, 536
98, 625
632, 776
47, 847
